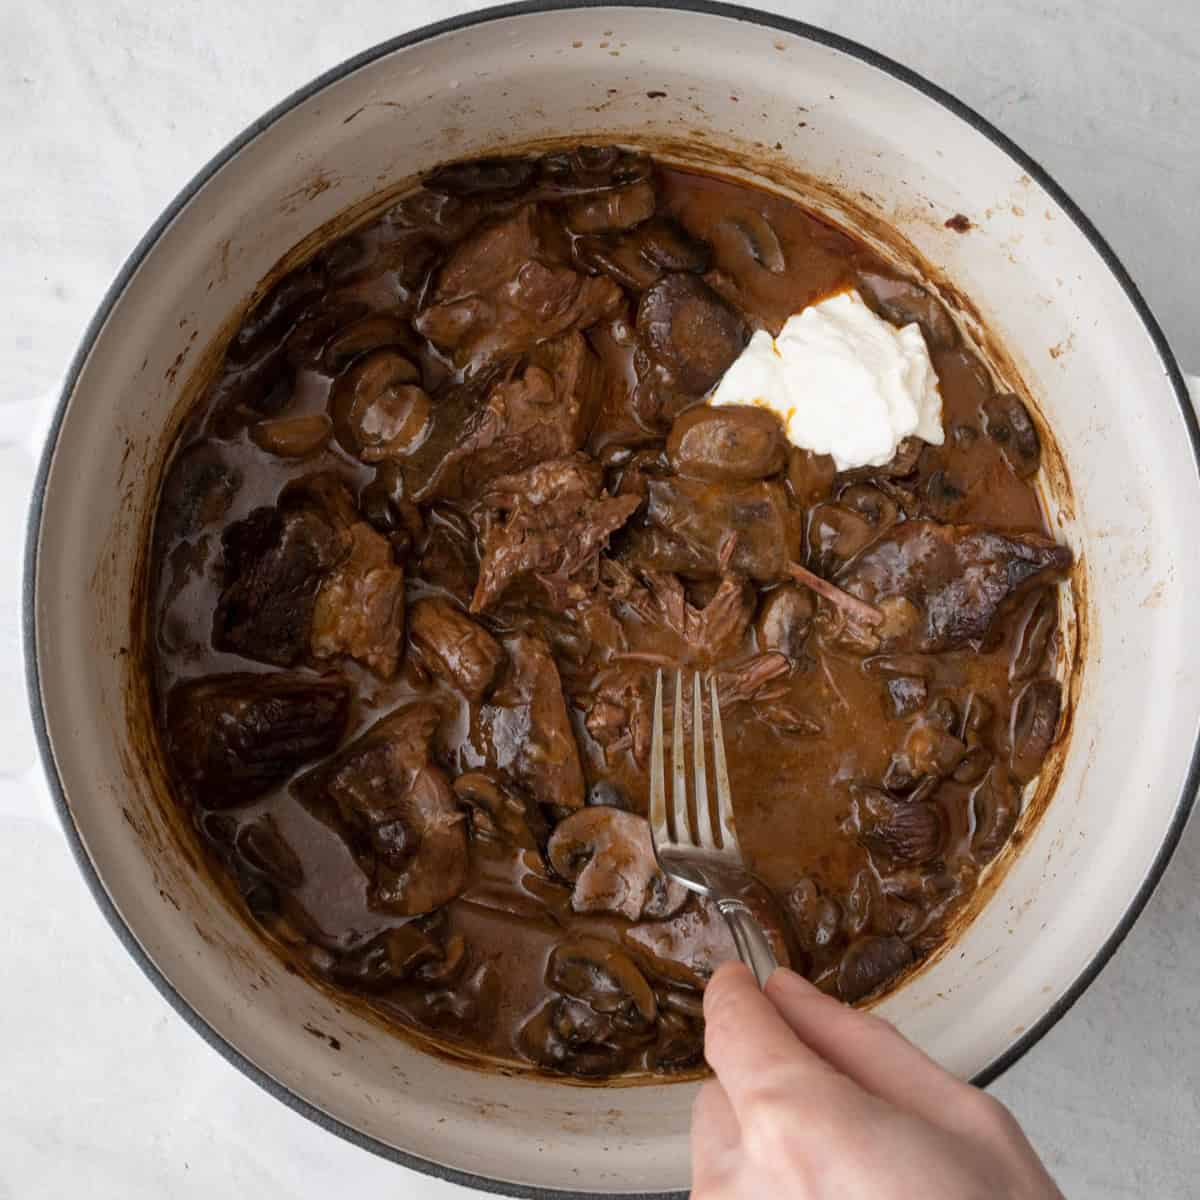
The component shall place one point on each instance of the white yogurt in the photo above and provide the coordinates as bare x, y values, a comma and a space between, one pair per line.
844, 381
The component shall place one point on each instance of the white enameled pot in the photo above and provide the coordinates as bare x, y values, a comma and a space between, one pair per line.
850, 132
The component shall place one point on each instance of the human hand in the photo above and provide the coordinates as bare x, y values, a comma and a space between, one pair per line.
817, 1101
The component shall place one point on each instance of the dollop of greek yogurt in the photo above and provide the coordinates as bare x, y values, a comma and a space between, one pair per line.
844, 382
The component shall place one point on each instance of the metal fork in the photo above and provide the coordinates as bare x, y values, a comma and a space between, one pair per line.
708, 860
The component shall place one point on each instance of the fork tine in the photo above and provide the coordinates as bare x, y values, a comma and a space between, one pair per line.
704, 829
658, 783
683, 826
729, 840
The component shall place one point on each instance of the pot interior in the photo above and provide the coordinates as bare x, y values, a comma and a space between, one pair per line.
846, 136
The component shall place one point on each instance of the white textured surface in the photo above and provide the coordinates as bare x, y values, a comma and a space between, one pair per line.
105, 111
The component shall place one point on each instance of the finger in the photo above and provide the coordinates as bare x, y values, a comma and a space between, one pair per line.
752, 1048
716, 1137
870, 1051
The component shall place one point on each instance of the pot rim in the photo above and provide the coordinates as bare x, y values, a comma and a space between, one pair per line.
1020, 1045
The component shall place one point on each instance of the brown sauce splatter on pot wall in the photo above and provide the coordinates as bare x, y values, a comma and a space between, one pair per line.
448, 505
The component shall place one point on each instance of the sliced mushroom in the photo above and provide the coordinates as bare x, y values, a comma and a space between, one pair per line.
1008, 423
1034, 725
688, 948
835, 535
609, 857
567, 1036
905, 303
733, 443
306, 343
691, 330
482, 176
468, 1004
386, 506
501, 810
261, 844
1035, 627
869, 963
816, 917
588, 169
621, 208
784, 620
902, 831
391, 958
292, 437
669, 246
765, 247
678, 1044
995, 807
376, 332
379, 411
606, 979
809, 475
619, 257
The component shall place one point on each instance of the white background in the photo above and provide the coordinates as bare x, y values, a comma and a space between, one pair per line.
106, 109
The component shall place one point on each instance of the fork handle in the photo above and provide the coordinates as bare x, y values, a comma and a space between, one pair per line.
751, 941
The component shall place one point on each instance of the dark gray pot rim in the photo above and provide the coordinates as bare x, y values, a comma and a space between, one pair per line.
29, 616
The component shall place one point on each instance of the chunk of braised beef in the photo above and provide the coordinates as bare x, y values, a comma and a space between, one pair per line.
619, 712
729, 444
608, 856
552, 522
906, 694
274, 563
455, 647
545, 410
957, 580
396, 812
199, 489
528, 727
690, 330
707, 529
507, 287
448, 556
359, 609
710, 632
233, 737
